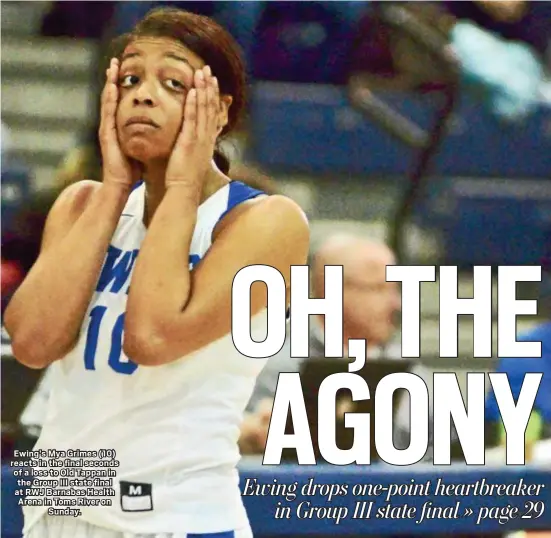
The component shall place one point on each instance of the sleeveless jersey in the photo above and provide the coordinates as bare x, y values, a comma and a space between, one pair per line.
172, 429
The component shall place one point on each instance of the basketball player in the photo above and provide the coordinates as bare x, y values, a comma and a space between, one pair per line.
130, 299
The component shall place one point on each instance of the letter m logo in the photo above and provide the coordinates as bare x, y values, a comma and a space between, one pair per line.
134, 490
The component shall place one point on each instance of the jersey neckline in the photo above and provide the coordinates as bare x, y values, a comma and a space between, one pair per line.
140, 210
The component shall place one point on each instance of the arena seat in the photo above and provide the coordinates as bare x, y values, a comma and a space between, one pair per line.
479, 145
332, 136
312, 128
488, 221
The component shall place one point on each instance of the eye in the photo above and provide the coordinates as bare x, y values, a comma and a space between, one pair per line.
128, 80
174, 84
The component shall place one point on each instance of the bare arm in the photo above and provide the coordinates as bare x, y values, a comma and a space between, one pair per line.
172, 311
45, 315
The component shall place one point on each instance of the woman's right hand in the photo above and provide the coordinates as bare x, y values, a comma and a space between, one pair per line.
117, 168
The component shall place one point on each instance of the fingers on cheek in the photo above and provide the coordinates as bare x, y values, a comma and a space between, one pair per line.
112, 101
190, 105
203, 100
213, 110
216, 91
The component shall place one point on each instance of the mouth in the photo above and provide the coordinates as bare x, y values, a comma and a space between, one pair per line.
141, 120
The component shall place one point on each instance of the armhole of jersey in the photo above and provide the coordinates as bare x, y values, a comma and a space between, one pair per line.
137, 185
238, 193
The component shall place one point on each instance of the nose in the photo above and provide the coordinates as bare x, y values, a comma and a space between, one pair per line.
144, 95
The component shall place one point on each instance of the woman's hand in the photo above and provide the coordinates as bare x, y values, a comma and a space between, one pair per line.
117, 168
194, 148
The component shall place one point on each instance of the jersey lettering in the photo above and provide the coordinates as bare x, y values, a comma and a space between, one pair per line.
116, 269
116, 272
115, 353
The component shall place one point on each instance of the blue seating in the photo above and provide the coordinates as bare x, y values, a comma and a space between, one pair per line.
479, 145
484, 221
313, 128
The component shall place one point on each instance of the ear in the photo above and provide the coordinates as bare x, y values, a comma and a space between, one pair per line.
223, 115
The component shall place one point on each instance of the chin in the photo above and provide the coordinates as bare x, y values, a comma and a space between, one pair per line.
143, 151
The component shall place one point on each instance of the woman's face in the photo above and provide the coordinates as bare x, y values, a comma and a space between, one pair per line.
154, 78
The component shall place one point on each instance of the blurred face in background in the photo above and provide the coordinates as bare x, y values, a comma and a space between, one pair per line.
154, 78
371, 305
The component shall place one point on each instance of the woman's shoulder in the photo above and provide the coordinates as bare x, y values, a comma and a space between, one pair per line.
82, 189
274, 219
74, 198
281, 205
274, 210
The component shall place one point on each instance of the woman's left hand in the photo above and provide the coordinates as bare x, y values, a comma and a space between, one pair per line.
194, 148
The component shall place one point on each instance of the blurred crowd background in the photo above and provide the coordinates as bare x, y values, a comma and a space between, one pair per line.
410, 132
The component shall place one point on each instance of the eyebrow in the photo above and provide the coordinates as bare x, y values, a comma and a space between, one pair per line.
173, 56
170, 55
129, 55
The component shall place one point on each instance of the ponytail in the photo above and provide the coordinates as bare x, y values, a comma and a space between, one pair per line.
222, 160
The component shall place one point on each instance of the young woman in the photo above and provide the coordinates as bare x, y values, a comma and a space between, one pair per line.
130, 299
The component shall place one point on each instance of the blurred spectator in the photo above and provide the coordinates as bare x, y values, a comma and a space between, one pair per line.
305, 42
370, 307
448, 49
387, 58
516, 20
